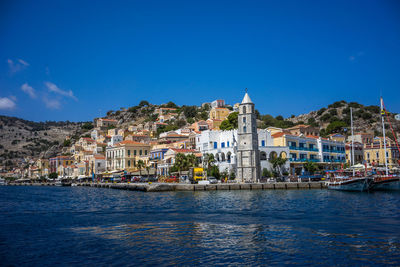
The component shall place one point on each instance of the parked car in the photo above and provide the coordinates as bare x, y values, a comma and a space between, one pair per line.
153, 179
212, 180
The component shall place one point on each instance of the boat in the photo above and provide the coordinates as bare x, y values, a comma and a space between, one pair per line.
2, 181
350, 182
386, 181
63, 182
391, 182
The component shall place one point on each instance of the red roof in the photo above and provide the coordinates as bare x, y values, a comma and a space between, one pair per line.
182, 150
129, 142
278, 135
108, 120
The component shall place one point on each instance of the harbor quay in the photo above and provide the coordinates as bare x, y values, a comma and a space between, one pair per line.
165, 187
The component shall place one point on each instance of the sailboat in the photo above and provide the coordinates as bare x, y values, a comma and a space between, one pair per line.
386, 181
350, 182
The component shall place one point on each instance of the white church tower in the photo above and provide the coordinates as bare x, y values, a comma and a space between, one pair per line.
248, 155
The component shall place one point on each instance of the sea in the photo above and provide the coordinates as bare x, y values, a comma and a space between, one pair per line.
84, 226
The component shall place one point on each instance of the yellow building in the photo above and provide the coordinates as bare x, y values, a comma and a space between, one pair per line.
126, 154
301, 148
374, 153
219, 113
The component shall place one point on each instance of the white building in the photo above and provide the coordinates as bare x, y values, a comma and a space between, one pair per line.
223, 145
115, 139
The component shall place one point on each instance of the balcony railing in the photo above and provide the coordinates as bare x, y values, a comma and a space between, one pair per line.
335, 160
303, 160
303, 148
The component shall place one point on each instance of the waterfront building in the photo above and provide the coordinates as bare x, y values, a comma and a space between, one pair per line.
125, 155
55, 162
223, 146
168, 160
248, 154
374, 152
326, 153
332, 153
213, 124
358, 153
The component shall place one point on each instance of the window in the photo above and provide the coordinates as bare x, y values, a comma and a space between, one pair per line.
368, 155
227, 144
134, 152
377, 154
140, 152
145, 152
129, 163
129, 153
244, 109
244, 129
222, 144
262, 142
215, 145
244, 119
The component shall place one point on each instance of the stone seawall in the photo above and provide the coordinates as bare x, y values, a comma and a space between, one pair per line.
164, 187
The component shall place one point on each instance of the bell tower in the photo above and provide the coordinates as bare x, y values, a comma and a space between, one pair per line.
248, 154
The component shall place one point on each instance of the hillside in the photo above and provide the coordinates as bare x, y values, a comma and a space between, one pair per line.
21, 140
336, 119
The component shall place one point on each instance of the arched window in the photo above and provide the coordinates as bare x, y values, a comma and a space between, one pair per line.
244, 129
244, 119
244, 109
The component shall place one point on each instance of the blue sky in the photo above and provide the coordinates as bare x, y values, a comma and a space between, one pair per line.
75, 60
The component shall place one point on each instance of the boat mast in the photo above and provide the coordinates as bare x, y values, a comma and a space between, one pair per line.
352, 140
384, 136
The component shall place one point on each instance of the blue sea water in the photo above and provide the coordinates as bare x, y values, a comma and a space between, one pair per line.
53, 226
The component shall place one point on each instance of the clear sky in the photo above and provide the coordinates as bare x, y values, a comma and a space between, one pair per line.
75, 60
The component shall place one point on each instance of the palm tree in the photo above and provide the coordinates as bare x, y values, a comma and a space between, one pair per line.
140, 165
191, 160
180, 162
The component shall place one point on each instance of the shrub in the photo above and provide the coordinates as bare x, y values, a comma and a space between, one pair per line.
322, 110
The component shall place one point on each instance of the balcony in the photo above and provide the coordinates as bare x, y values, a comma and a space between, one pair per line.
303, 148
303, 160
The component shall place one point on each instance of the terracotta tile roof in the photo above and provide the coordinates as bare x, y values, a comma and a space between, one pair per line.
99, 157
183, 150
88, 139
108, 120
101, 144
313, 136
129, 142
278, 135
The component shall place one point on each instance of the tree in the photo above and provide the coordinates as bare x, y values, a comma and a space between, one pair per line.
209, 160
335, 127
279, 118
277, 163
53, 175
67, 142
144, 103
140, 164
180, 162
190, 111
191, 160
87, 126
310, 167
266, 173
230, 123
171, 104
